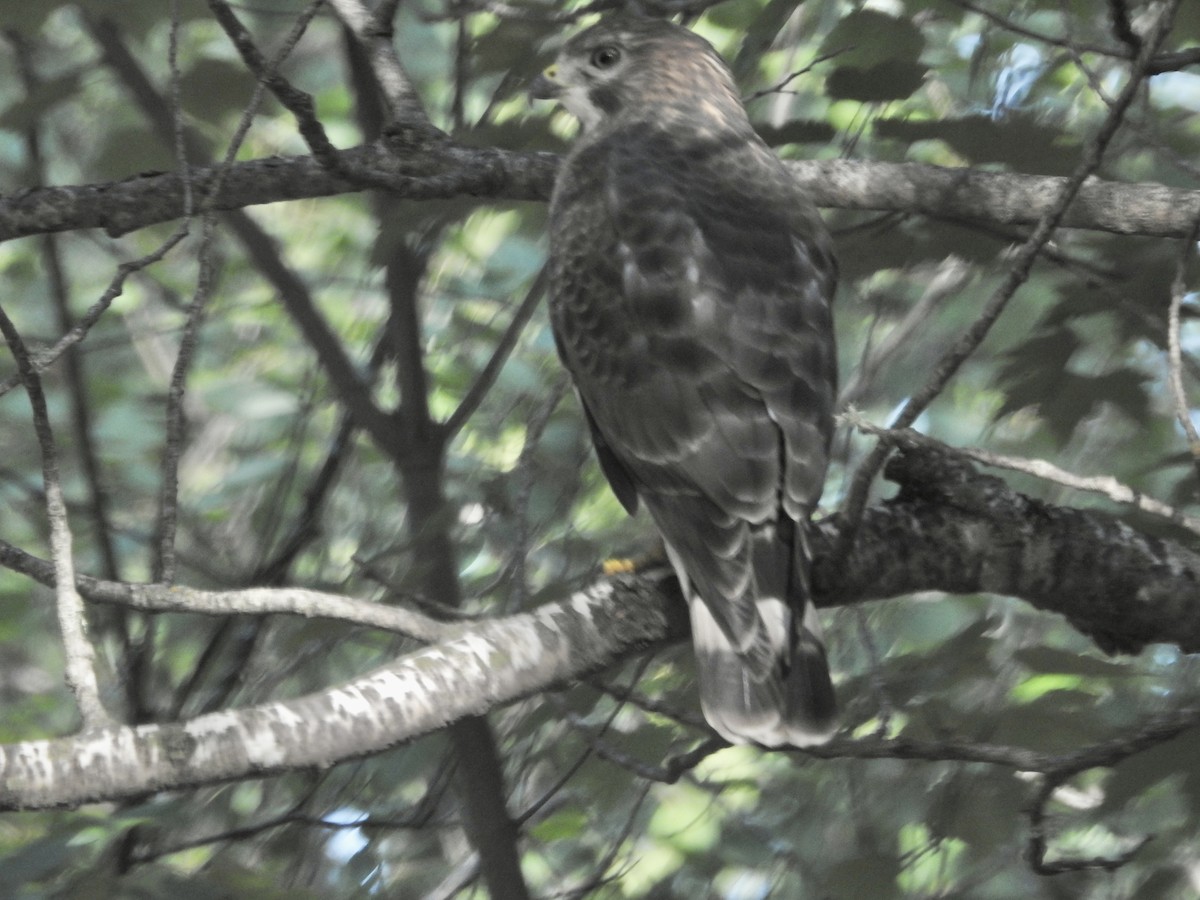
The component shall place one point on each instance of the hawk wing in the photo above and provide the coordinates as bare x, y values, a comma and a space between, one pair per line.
691, 303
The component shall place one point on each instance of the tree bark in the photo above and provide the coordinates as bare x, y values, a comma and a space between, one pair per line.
428, 166
947, 529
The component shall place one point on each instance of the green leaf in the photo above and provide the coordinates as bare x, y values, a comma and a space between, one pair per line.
1136, 774
1019, 141
863, 876
1052, 659
891, 80
797, 132
563, 825
867, 38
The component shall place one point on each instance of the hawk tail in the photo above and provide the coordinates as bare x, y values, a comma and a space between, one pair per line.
775, 688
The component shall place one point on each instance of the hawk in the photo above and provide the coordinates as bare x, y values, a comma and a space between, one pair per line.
690, 288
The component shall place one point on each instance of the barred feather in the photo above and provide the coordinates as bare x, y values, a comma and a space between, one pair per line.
690, 290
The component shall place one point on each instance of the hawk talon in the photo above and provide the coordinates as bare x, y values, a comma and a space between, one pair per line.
619, 566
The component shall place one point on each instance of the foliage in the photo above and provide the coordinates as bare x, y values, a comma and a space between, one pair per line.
275, 487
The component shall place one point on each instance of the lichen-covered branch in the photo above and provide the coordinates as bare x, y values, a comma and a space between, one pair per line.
949, 529
496, 663
954, 530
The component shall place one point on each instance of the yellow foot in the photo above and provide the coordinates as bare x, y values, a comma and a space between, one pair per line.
624, 566
654, 557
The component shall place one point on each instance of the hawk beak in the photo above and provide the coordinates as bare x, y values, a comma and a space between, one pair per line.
545, 86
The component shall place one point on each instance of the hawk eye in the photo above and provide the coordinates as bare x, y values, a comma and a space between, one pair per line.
605, 57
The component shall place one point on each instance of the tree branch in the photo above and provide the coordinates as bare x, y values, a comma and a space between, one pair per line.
72, 615
948, 529
416, 694
419, 166
375, 35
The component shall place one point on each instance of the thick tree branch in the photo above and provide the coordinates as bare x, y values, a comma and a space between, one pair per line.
948, 529
951, 529
416, 694
375, 35
422, 166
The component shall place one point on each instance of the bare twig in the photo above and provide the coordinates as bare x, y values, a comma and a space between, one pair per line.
176, 89
503, 10
531, 812
523, 479
292, 290
60, 291
248, 601
589, 886
1122, 27
948, 278
779, 86
72, 618
298, 102
165, 521
1150, 733
164, 560
44, 359
401, 97
504, 347
668, 772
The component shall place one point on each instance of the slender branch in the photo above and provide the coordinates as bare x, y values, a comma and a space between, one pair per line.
302, 308
948, 278
60, 291
1122, 27
176, 420
296, 101
778, 87
492, 664
504, 347
72, 618
261, 248
1151, 732
480, 779
949, 529
402, 99
413, 695
247, 601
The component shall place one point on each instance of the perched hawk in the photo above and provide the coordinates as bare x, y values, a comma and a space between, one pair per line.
690, 286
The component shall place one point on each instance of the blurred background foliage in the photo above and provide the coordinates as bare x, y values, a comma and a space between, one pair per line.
1074, 372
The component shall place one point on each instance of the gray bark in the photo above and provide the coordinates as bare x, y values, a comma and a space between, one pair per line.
948, 529
425, 166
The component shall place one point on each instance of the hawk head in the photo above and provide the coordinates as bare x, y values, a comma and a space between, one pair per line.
629, 69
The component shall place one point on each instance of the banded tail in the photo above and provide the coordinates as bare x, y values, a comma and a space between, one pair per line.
766, 680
